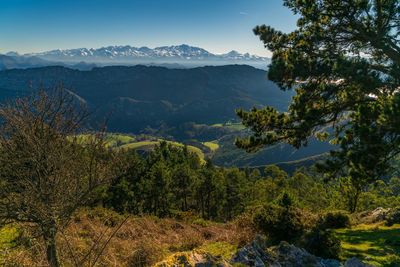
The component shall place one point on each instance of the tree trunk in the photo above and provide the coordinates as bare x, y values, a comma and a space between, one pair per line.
354, 201
51, 248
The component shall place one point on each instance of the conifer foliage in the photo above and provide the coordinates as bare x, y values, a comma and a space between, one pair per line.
343, 61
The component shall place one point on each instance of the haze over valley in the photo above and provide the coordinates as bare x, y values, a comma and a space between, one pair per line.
178, 56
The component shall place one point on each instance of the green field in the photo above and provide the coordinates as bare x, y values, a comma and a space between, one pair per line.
375, 244
114, 140
111, 139
213, 146
146, 145
123, 141
140, 145
236, 126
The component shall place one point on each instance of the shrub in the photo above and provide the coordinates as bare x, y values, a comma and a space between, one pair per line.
107, 217
201, 222
286, 200
335, 220
146, 253
279, 223
189, 241
322, 243
393, 217
392, 261
186, 216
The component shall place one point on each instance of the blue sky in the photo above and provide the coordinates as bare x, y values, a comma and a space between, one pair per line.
216, 25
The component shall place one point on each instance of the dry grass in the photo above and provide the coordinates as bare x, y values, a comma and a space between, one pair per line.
141, 241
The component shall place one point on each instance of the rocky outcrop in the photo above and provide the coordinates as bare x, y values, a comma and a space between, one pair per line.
257, 254
354, 262
377, 215
192, 259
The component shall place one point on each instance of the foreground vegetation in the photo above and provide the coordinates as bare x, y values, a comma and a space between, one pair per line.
82, 200
147, 240
375, 243
141, 241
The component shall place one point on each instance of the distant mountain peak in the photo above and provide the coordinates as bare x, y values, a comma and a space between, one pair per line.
233, 52
127, 53
12, 54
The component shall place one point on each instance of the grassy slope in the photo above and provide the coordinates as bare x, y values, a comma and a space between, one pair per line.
8, 236
129, 142
376, 244
237, 126
140, 145
150, 144
118, 139
213, 145
148, 239
160, 238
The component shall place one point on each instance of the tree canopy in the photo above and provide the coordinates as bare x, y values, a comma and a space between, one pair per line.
343, 60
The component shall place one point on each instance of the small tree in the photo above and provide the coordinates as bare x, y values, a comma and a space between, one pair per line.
46, 170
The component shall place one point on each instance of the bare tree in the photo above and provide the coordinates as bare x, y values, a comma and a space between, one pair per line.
47, 170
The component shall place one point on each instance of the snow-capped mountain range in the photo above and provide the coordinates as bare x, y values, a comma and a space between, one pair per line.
129, 53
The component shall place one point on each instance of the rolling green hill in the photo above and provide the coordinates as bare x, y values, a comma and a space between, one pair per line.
224, 153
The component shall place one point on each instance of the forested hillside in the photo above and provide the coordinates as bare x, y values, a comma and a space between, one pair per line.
134, 98
187, 105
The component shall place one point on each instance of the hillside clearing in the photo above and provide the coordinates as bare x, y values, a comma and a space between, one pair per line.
212, 145
376, 244
148, 145
123, 141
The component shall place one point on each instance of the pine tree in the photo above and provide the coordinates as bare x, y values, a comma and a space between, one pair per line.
343, 61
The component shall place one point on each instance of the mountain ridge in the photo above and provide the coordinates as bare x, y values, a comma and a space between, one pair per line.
127, 53
203, 95
176, 104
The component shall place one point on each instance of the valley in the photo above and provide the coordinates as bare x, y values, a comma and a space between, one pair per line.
189, 106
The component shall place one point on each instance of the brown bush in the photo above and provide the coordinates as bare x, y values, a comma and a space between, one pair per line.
144, 240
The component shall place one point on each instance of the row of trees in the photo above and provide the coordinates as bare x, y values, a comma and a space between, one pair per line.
171, 180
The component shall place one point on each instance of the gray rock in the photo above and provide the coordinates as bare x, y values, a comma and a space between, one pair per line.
379, 214
376, 215
354, 262
257, 254
331, 263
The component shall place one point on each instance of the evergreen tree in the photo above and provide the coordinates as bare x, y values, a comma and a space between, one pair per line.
182, 183
343, 60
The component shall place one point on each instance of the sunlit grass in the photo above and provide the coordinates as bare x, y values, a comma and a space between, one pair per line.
150, 144
221, 250
140, 144
8, 234
110, 139
237, 126
121, 141
213, 146
8, 237
375, 244
114, 140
